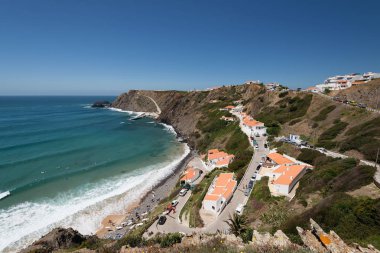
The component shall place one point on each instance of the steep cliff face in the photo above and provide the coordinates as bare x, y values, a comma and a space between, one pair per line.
182, 109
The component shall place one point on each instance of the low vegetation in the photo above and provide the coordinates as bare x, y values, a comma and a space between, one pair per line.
364, 138
287, 109
324, 112
337, 211
326, 138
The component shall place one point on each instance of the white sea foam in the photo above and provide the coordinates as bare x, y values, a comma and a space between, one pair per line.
83, 209
169, 128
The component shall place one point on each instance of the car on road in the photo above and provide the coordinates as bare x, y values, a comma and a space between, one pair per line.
162, 220
175, 202
246, 192
261, 163
183, 192
258, 167
256, 146
253, 178
239, 209
265, 145
250, 184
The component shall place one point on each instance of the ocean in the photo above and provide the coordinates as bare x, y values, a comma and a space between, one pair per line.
67, 164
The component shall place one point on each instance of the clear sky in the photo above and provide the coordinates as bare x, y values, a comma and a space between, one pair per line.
105, 47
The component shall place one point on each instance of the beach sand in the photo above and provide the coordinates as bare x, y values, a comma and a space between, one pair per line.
148, 202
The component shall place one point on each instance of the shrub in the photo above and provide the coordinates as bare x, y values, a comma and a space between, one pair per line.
345, 215
325, 140
261, 190
132, 239
309, 155
295, 121
247, 235
170, 239
283, 94
324, 112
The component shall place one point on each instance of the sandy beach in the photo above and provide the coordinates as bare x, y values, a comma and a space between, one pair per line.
148, 202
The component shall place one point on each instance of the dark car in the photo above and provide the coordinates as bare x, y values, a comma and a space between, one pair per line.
258, 167
265, 145
250, 184
162, 220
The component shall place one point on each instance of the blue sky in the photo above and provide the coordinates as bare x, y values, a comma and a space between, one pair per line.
105, 47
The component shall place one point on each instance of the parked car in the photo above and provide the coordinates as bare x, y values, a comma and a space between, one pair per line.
162, 220
361, 105
175, 202
250, 184
265, 145
247, 191
183, 192
239, 209
256, 146
253, 178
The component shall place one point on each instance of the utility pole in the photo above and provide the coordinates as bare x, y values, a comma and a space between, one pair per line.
377, 156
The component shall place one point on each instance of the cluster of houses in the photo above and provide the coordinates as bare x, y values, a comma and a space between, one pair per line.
341, 82
284, 172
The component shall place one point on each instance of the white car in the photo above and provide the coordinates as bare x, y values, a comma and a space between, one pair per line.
119, 227
175, 202
239, 209
183, 192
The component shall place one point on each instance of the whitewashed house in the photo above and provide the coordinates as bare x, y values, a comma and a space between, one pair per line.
219, 193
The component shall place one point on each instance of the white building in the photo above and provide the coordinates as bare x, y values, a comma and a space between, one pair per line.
341, 82
219, 193
253, 127
218, 159
370, 76
285, 178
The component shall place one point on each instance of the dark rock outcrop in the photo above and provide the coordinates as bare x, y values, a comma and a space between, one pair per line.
58, 238
101, 104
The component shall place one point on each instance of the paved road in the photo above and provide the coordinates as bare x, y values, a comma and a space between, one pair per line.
238, 197
173, 223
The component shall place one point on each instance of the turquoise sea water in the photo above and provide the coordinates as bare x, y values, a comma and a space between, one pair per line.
67, 164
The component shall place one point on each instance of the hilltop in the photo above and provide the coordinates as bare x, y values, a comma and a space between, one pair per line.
318, 119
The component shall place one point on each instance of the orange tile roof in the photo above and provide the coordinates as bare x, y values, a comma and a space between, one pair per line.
211, 197
284, 168
190, 173
225, 161
216, 154
251, 122
223, 179
278, 158
224, 186
359, 82
230, 188
288, 176
229, 107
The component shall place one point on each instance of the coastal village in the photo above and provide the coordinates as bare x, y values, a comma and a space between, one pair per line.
205, 193
226, 194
